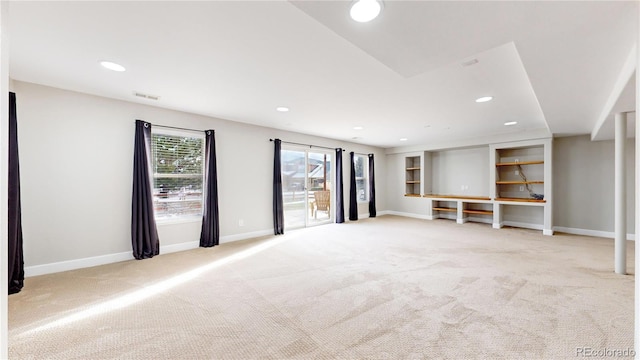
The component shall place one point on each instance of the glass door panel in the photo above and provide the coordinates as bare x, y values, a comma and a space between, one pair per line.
293, 188
306, 188
319, 188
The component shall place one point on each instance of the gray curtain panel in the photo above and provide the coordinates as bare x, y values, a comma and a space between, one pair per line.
15, 255
339, 188
210, 233
144, 233
278, 206
372, 188
353, 200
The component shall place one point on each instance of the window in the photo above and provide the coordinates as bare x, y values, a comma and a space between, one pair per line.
178, 176
362, 184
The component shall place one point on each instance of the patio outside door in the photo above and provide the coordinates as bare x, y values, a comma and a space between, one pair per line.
306, 187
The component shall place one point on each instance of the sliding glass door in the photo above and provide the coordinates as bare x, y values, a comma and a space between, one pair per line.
306, 187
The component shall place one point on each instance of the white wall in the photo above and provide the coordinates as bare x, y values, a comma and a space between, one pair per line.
453, 169
583, 183
76, 154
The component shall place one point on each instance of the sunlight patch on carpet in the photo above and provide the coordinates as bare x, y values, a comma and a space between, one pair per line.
155, 289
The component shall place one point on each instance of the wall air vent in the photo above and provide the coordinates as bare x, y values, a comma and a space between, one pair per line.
146, 96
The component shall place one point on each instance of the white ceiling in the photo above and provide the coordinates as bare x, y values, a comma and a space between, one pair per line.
551, 66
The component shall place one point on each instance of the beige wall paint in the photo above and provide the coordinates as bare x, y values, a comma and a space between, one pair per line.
76, 151
452, 169
76, 154
583, 183
396, 201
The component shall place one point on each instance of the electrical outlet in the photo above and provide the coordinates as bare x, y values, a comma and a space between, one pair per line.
241, 222
461, 187
521, 188
517, 172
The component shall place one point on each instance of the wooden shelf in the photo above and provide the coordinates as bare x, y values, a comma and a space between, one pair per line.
413, 168
445, 209
519, 182
535, 162
520, 200
480, 212
413, 181
412, 195
461, 197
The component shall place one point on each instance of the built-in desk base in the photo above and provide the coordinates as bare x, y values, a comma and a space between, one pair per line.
476, 208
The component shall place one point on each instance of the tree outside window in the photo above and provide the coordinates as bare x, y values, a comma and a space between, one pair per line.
177, 175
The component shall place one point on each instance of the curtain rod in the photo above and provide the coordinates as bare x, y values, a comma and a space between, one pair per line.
178, 128
309, 145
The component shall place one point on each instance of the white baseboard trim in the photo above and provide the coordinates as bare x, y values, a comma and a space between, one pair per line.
168, 249
363, 216
245, 236
411, 215
587, 232
497, 225
76, 264
382, 213
61, 266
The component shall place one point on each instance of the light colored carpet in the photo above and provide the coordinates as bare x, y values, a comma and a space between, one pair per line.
384, 288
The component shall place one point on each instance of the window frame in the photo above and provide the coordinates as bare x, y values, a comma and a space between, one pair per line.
154, 175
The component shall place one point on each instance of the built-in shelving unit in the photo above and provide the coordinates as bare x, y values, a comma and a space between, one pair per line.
478, 212
521, 200
444, 209
537, 162
462, 206
516, 176
522, 180
518, 182
412, 176
519, 172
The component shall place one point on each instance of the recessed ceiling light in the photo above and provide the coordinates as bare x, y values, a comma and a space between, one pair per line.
358, 128
112, 66
365, 10
282, 109
509, 123
484, 99
404, 139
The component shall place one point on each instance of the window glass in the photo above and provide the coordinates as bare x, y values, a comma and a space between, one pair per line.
177, 162
362, 172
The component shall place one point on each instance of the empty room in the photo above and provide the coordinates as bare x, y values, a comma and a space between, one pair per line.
366, 179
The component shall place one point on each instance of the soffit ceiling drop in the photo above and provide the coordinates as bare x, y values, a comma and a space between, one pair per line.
549, 65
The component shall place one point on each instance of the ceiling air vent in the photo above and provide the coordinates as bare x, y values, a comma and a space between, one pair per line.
470, 62
146, 96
